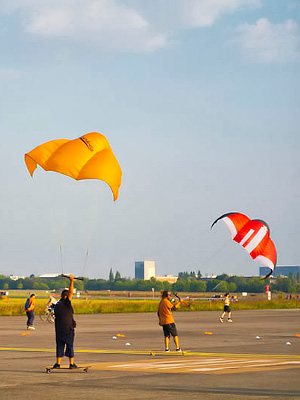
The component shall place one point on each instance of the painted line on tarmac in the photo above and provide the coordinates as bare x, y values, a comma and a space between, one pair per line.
33, 349
25, 349
157, 353
200, 365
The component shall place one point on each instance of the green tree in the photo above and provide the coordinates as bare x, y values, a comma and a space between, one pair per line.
197, 286
79, 285
183, 275
28, 283
199, 275
181, 286
223, 286
232, 287
167, 286
117, 276
111, 276
144, 285
223, 277
44, 286
255, 285
241, 283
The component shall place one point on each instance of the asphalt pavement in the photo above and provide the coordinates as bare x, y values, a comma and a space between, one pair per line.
255, 357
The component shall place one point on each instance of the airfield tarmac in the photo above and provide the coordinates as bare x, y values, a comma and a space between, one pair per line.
248, 359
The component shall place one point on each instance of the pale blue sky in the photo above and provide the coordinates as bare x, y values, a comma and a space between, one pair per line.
199, 100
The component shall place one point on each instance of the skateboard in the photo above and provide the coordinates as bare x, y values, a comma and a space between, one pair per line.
66, 368
168, 353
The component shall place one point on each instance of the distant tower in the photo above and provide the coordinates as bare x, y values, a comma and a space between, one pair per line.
144, 270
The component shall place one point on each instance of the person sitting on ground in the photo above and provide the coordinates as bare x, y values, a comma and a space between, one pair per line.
166, 319
65, 326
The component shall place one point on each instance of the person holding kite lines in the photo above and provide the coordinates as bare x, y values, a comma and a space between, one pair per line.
65, 326
226, 308
166, 319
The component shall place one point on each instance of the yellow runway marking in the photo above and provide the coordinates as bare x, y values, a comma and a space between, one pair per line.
156, 353
25, 349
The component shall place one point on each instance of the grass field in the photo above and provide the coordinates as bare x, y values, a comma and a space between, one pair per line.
15, 305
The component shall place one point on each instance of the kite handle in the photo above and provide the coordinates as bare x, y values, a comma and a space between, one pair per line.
180, 299
79, 278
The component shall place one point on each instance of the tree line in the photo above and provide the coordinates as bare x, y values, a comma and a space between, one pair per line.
187, 282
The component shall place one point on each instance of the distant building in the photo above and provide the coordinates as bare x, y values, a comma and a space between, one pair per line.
281, 270
167, 278
208, 277
50, 275
15, 277
144, 270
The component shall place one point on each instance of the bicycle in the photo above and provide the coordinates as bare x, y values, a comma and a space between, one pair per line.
47, 314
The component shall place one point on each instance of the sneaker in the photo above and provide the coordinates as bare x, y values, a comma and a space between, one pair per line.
56, 366
73, 366
221, 320
31, 328
230, 320
179, 349
167, 350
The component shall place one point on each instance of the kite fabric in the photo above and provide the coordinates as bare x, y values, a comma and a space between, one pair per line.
254, 236
87, 157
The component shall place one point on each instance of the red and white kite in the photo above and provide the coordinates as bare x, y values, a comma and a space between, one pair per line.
254, 236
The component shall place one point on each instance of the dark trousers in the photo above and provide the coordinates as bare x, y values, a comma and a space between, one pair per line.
65, 340
30, 317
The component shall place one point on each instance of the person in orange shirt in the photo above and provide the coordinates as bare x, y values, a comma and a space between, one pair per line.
166, 319
30, 312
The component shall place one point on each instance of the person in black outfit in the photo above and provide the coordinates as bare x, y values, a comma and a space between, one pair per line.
65, 326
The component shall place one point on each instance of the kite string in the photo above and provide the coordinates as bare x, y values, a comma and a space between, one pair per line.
85, 260
61, 258
215, 253
56, 212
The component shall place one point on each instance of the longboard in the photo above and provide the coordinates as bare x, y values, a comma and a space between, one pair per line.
65, 367
168, 353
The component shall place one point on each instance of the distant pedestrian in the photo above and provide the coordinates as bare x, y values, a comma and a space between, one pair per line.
227, 309
166, 319
29, 308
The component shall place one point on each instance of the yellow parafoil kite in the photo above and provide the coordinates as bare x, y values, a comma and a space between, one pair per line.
87, 157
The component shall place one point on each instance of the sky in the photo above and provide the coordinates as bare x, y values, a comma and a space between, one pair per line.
199, 100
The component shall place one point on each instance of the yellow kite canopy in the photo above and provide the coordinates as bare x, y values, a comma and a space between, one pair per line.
88, 157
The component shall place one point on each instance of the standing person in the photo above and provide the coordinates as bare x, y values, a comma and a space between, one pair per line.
226, 308
166, 319
65, 326
29, 308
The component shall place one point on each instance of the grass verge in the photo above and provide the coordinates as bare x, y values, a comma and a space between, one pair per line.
15, 306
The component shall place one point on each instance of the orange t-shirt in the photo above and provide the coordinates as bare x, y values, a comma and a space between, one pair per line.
164, 312
31, 304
